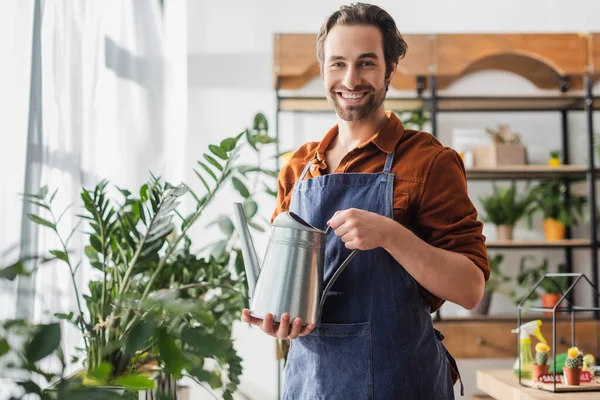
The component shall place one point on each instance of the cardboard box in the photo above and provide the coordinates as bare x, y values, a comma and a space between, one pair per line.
499, 154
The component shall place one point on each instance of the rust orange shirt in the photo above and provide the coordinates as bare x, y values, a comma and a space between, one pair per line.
430, 189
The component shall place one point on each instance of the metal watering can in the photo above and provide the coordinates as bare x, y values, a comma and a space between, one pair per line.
291, 277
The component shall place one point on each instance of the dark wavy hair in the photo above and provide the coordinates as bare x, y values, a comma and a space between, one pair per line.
394, 46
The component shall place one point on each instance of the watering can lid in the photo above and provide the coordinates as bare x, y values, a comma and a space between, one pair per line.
290, 220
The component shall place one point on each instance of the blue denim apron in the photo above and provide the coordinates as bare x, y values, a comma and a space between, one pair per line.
376, 339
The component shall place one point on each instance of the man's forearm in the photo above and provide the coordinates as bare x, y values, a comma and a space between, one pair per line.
448, 275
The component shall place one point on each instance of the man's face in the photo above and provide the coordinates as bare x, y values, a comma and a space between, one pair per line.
354, 71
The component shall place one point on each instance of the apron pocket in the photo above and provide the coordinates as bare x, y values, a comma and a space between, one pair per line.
333, 362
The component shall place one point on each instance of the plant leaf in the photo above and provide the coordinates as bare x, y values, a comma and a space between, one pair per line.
219, 152
203, 181
4, 347
213, 162
41, 221
170, 353
250, 208
138, 336
67, 317
101, 372
134, 382
61, 255
228, 144
12, 271
43, 343
211, 377
240, 187
208, 346
208, 170
30, 387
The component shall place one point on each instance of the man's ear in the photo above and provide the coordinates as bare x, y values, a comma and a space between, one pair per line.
392, 73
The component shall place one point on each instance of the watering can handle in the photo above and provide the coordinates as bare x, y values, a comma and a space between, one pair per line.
335, 276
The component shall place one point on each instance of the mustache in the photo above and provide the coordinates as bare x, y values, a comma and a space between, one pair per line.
361, 88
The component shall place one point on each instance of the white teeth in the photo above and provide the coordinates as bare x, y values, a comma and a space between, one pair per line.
352, 96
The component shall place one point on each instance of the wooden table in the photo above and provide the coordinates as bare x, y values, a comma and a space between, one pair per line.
503, 385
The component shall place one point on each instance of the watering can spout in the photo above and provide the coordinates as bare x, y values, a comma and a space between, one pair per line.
249, 253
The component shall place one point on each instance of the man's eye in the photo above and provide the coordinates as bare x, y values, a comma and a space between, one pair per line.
367, 63
337, 64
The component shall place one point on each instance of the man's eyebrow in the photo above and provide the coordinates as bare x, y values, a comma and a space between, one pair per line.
364, 55
368, 55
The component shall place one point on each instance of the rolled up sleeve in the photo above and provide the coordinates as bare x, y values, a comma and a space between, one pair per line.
447, 218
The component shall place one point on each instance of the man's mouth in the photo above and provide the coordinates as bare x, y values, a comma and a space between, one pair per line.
351, 97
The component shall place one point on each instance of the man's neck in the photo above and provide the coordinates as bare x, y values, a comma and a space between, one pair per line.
351, 134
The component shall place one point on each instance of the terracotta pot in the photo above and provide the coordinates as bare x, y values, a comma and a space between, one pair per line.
539, 370
549, 300
504, 232
572, 375
554, 229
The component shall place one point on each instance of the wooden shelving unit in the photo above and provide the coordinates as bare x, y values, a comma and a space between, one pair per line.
541, 244
529, 172
565, 65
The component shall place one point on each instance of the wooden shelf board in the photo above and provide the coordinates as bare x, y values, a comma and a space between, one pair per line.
525, 317
539, 243
528, 171
452, 103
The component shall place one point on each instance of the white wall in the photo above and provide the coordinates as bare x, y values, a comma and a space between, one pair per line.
229, 77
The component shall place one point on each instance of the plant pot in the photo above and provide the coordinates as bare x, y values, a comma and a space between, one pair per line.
549, 300
504, 232
483, 307
539, 370
554, 229
572, 376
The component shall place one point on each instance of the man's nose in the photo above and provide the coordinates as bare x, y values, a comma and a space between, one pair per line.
351, 78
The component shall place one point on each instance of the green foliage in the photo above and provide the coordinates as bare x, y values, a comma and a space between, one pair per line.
552, 200
529, 275
506, 206
415, 119
157, 305
497, 278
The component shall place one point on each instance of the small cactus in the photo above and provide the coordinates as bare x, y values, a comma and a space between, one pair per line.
571, 362
541, 355
541, 358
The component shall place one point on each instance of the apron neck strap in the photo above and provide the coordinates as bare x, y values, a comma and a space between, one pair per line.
389, 160
305, 170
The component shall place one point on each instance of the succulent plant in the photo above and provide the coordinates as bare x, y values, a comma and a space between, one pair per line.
541, 355
571, 362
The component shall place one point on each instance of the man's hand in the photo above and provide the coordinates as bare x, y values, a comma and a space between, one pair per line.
278, 330
360, 229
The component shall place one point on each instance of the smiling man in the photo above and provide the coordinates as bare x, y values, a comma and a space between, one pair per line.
401, 198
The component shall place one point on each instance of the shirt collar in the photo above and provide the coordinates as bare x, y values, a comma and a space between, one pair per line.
385, 139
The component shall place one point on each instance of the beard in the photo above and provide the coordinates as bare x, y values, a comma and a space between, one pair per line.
374, 99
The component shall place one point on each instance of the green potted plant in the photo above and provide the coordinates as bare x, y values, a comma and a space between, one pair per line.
550, 289
493, 285
558, 210
153, 315
505, 207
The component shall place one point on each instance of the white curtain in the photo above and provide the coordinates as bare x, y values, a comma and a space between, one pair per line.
111, 99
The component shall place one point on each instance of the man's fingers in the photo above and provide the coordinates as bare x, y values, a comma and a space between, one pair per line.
284, 326
309, 328
296, 327
268, 326
281, 330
